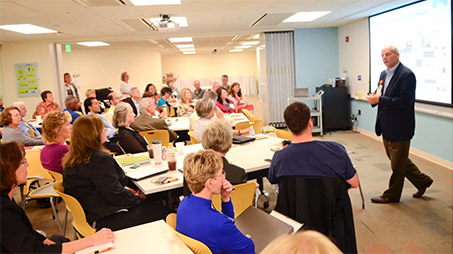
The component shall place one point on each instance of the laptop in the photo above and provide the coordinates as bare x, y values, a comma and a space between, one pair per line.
242, 139
301, 92
261, 227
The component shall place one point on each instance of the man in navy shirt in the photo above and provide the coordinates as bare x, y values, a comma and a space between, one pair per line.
308, 157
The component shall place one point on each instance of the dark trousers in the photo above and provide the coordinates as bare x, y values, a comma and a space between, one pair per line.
147, 211
402, 166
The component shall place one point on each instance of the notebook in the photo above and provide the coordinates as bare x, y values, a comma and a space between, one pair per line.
144, 172
242, 139
261, 227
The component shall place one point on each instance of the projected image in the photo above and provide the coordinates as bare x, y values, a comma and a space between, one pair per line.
422, 34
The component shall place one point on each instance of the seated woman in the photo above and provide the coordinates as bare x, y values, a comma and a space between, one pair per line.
174, 89
223, 103
11, 119
129, 139
18, 235
56, 128
235, 94
96, 180
151, 89
46, 105
196, 217
185, 107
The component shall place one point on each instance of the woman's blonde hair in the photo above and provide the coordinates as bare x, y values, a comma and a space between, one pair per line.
52, 124
303, 242
199, 167
120, 118
218, 136
89, 92
85, 138
182, 95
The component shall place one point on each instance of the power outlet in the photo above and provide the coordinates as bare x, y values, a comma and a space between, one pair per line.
359, 112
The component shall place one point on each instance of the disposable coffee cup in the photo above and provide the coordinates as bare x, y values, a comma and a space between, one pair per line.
180, 148
157, 153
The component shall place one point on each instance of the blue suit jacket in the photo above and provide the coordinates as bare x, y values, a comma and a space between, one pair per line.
396, 118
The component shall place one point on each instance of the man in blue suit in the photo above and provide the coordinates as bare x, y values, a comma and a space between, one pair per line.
395, 120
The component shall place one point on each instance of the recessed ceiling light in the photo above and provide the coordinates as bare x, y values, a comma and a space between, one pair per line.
306, 16
93, 43
243, 47
250, 43
235, 50
155, 2
27, 29
185, 46
181, 39
189, 52
182, 21
256, 36
187, 49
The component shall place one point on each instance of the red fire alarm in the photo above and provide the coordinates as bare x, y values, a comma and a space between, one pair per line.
346, 39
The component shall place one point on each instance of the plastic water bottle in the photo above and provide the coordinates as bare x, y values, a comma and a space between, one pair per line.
252, 131
165, 109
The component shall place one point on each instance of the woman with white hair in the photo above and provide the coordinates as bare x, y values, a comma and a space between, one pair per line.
129, 139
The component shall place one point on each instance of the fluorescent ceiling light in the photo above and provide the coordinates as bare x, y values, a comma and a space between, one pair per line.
236, 50
250, 43
155, 2
243, 47
189, 52
93, 43
187, 49
185, 46
256, 36
181, 39
306, 16
27, 29
182, 21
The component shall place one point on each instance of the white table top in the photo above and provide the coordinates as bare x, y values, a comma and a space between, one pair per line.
153, 237
178, 123
251, 156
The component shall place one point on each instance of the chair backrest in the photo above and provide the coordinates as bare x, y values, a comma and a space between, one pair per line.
269, 130
35, 169
284, 134
243, 125
171, 112
162, 135
242, 197
57, 176
322, 204
247, 114
79, 222
193, 139
195, 246
257, 125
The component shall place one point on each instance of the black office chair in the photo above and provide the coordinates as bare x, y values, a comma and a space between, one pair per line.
322, 204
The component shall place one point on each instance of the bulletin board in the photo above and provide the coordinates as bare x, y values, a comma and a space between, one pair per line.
27, 80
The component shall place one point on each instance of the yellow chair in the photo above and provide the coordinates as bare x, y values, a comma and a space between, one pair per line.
161, 135
79, 222
248, 114
195, 246
57, 176
242, 197
193, 139
35, 173
284, 134
269, 130
243, 125
257, 125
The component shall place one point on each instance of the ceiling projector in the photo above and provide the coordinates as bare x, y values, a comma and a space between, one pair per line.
165, 25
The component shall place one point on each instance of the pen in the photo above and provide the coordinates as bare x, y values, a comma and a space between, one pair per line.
171, 180
104, 250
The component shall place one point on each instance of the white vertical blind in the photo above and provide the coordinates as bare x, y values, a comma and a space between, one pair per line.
280, 72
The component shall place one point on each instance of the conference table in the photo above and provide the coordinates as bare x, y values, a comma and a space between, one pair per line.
153, 237
183, 123
251, 156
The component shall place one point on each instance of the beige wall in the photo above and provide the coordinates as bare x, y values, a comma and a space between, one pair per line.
210, 66
42, 53
354, 56
102, 67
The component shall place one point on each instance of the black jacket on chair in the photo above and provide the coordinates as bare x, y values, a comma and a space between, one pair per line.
322, 204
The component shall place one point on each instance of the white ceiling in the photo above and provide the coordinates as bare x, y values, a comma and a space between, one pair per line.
212, 23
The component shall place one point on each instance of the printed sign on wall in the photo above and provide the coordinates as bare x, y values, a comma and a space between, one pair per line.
27, 80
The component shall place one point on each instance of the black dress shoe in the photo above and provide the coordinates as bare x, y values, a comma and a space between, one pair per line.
383, 200
421, 191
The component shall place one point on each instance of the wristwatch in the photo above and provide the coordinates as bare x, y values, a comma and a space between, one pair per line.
239, 131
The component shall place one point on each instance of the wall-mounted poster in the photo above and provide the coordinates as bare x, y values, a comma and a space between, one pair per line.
27, 81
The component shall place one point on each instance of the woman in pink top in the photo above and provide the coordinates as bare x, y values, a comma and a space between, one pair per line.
223, 102
56, 128
235, 94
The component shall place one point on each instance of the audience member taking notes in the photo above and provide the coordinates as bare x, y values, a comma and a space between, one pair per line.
197, 219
